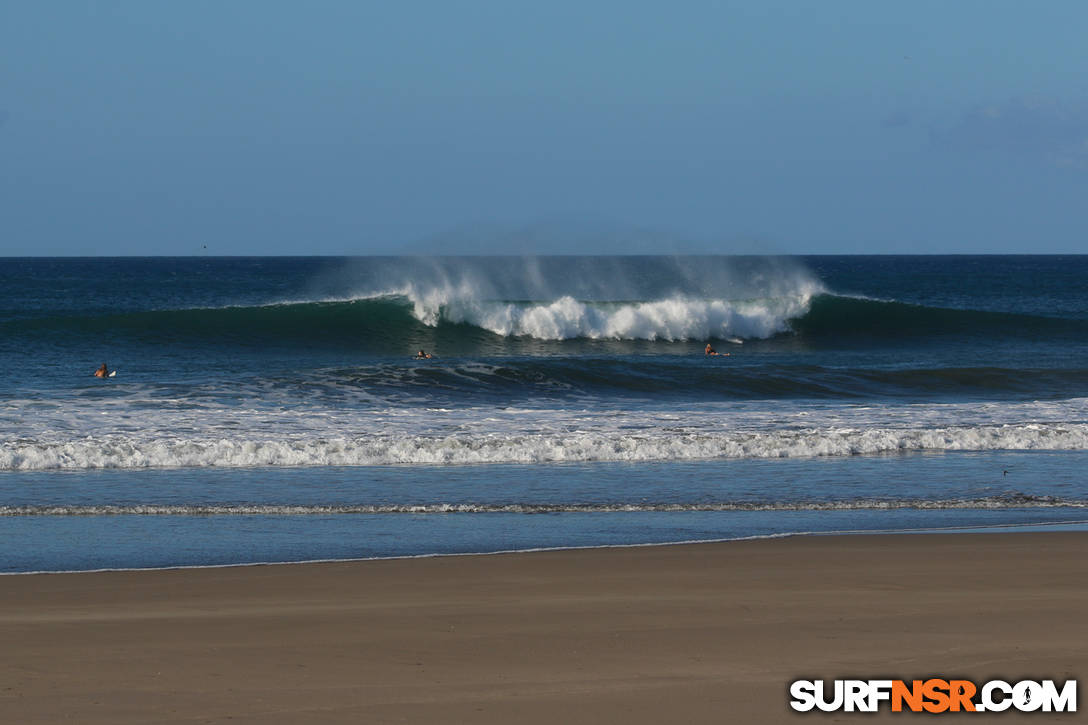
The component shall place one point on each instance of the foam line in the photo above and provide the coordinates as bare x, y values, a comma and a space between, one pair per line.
986, 502
481, 448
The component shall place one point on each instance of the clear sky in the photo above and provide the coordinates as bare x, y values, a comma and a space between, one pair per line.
352, 127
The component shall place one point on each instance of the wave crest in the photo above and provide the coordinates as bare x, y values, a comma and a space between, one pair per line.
671, 319
692, 299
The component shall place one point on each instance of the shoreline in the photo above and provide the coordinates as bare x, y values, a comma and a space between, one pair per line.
1056, 526
700, 632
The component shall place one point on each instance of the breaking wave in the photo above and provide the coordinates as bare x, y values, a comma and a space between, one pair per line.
462, 322
386, 320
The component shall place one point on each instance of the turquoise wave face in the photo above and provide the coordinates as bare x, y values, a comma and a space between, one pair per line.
833, 315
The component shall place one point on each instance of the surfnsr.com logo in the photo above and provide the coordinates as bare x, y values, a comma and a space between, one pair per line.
934, 695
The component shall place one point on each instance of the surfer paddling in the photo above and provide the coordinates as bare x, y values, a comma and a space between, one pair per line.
421, 355
711, 351
102, 372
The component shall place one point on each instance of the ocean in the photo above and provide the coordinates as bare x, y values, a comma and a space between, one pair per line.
271, 409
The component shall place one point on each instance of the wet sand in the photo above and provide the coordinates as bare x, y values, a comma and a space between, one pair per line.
702, 633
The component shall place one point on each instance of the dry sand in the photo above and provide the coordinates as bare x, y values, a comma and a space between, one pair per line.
705, 633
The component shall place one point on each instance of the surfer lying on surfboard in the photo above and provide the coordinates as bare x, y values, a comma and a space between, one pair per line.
711, 351
423, 355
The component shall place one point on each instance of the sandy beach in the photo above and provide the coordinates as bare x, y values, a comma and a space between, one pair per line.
702, 633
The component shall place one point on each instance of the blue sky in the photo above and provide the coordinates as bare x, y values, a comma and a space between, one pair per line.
360, 127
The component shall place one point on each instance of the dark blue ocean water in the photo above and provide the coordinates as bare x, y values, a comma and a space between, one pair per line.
269, 409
